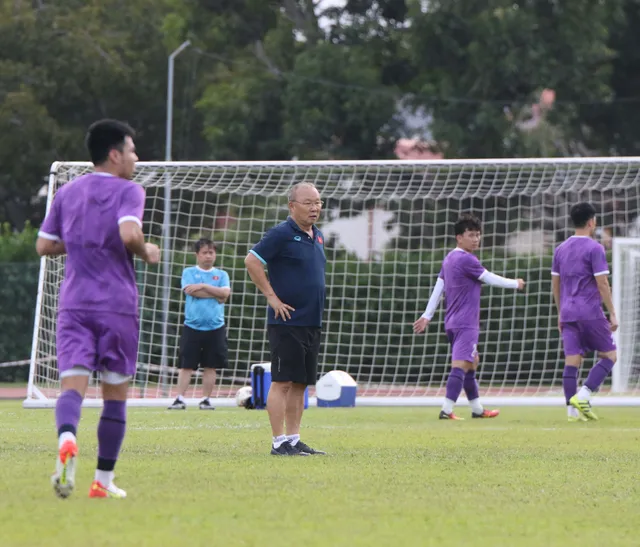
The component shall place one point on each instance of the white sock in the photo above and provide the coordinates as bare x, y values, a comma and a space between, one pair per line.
572, 412
277, 441
584, 394
105, 478
293, 439
66, 436
476, 407
448, 406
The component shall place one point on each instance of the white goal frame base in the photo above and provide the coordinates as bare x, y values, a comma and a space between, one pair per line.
546, 401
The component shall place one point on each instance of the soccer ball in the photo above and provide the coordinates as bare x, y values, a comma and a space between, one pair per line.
243, 396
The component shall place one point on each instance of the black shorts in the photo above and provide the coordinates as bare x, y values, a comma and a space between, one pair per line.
204, 348
294, 353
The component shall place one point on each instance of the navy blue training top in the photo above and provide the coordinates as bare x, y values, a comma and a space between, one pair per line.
296, 265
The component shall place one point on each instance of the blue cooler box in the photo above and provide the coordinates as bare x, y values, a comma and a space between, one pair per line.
336, 388
260, 384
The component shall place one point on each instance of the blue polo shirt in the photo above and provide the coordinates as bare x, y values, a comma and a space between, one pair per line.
296, 264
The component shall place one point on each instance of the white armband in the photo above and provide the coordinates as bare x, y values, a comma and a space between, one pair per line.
434, 299
498, 281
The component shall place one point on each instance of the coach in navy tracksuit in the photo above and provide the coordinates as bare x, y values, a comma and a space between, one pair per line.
293, 252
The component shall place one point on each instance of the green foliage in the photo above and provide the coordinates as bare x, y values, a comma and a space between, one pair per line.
265, 81
19, 268
337, 121
63, 67
477, 52
18, 292
18, 246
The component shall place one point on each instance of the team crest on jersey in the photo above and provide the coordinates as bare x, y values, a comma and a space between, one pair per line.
320, 240
216, 277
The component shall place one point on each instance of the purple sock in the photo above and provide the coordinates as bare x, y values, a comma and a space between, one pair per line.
111, 433
454, 384
470, 385
68, 407
598, 374
570, 382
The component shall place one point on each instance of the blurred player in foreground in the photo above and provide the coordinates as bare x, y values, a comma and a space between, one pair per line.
580, 286
96, 220
460, 280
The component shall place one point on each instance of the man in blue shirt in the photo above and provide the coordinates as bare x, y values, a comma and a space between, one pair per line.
204, 338
293, 252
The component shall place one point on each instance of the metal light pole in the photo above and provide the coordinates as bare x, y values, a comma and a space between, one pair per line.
171, 61
166, 224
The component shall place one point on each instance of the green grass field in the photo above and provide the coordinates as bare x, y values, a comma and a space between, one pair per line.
395, 477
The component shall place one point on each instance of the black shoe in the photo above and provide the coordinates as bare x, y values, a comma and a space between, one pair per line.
306, 449
286, 449
177, 405
206, 405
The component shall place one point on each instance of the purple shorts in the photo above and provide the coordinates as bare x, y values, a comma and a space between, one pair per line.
464, 344
580, 337
98, 341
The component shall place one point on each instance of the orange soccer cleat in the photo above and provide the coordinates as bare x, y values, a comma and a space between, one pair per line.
486, 414
451, 416
98, 490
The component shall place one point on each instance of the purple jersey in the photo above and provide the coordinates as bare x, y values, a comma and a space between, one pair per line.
578, 261
462, 287
85, 215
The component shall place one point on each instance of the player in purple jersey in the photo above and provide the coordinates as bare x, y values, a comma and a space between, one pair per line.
96, 220
580, 286
461, 279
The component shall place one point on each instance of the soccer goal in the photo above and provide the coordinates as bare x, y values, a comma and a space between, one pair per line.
387, 227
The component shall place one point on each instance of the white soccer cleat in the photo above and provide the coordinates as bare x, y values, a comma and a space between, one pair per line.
64, 479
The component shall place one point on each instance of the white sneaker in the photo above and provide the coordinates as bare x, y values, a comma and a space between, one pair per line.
64, 479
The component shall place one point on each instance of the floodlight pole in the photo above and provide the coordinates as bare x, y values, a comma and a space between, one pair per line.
166, 224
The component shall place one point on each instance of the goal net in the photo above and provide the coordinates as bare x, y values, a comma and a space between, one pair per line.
387, 227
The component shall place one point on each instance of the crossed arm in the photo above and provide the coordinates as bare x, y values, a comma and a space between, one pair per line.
202, 290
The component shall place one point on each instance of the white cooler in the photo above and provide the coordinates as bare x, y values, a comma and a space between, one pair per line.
336, 388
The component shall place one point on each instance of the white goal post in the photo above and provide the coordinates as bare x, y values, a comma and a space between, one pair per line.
387, 226
626, 300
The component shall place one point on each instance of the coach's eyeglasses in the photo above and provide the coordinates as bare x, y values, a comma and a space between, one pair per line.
309, 204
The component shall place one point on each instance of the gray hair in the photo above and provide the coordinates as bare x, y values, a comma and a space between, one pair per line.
291, 194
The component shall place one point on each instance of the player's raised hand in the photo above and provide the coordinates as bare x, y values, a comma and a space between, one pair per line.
152, 252
614, 323
420, 325
280, 308
521, 284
